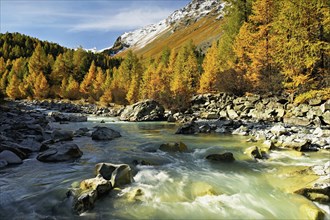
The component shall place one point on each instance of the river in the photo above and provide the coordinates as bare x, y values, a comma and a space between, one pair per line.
182, 186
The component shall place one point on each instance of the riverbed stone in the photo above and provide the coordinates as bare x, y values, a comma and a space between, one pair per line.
104, 133
173, 147
3, 163
101, 185
188, 128
118, 174
60, 152
278, 130
10, 157
326, 117
226, 157
147, 110
62, 135
312, 212
301, 121
254, 152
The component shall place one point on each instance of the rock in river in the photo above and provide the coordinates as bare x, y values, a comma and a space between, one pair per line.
10, 157
173, 147
108, 176
60, 152
104, 133
225, 157
148, 110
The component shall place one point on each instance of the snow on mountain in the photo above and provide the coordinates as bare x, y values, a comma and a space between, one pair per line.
193, 11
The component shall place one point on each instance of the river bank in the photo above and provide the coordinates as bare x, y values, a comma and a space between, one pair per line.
28, 132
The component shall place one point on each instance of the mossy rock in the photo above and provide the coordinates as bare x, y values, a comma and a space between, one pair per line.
312, 211
174, 147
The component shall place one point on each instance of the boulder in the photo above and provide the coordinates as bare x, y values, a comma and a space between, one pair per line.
10, 157
232, 114
148, 110
101, 185
225, 157
62, 135
89, 191
118, 174
301, 121
83, 201
269, 145
325, 106
104, 133
300, 145
60, 117
209, 115
188, 128
31, 144
60, 152
315, 102
174, 147
321, 195
278, 130
255, 153
312, 212
242, 130
326, 117
3, 163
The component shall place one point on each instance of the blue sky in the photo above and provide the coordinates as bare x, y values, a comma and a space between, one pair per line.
85, 23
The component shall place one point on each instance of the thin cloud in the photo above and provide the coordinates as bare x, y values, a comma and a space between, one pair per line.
68, 17
124, 20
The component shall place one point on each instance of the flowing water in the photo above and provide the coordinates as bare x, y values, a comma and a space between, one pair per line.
181, 186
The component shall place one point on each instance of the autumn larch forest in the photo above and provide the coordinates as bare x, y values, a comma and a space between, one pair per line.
266, 46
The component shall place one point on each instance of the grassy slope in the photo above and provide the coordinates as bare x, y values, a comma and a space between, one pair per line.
203, 32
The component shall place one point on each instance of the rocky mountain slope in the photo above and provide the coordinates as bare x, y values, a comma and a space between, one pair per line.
199, 21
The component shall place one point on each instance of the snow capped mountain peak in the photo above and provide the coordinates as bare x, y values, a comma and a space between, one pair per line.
194, 11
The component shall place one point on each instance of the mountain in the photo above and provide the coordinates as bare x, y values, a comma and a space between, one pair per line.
198, 21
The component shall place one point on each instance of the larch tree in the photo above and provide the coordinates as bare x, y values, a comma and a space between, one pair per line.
38, 60
185, 77
208, 79
303, 28
41, 87
86, 86
12, 89
236, 13
255, 47
98, 84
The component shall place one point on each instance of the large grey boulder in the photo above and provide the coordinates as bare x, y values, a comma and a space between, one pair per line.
60, 152
104, 133
147, 110
10, 157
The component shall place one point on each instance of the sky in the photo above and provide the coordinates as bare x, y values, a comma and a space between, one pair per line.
86, 23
